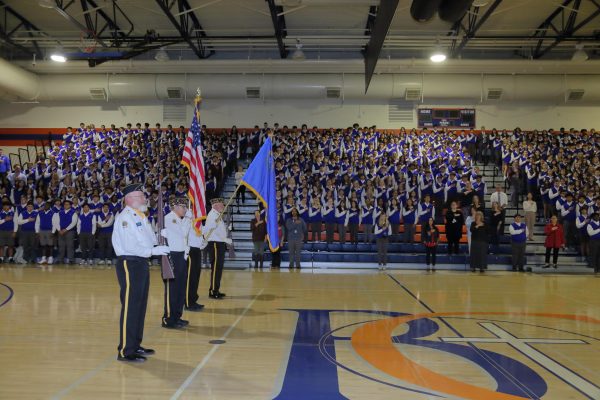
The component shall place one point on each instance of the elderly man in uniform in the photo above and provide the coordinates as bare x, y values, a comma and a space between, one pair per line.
134, 242
216, 236
176, 231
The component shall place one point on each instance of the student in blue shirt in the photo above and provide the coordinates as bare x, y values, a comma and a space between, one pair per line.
26, 221
4, 168
409, 218
8, 231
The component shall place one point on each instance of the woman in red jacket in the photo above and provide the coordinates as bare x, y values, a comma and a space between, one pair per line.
554, 240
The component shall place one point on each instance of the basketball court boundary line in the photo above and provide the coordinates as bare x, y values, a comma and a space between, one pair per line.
11, 293
212, 351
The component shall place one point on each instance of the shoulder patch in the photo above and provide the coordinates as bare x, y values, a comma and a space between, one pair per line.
124, 224
174, 221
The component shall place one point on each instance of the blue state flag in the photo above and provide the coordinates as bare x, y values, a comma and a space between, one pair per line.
260, 180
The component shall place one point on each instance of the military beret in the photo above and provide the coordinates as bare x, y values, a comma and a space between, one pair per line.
216, 200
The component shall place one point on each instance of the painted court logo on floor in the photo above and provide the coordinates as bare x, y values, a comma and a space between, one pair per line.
312, 367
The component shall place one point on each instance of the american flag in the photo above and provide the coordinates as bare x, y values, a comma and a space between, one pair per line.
193, 160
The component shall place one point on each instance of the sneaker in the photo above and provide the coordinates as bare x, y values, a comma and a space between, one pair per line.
43, 260
108, 262
555, 266
50, 260
546, 266
11, 260
101, 262
90, 262
1, 260
82, 262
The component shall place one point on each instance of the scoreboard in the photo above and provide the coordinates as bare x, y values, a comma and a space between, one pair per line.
446, 117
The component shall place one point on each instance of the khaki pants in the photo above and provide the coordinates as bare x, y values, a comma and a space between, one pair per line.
530, 222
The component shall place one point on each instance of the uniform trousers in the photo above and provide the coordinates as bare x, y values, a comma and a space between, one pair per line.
194, 269
86, 243
66, 245
518, 255
105, 248
217, 261
294, 249
134, 280
175, 289
27, 239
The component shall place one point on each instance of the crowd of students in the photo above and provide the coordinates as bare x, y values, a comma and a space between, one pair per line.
339, 181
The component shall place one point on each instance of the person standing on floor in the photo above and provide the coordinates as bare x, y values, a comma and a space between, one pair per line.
105, 221
295, 227
134, 242
479, 243
430, 235
409, 217
593, 231
581, 223
530, 210
382, 232
86, 229
44, 232
518, 235
65, 222
26, 221
454, 226
258, 227
276, 255
215, 233
194, 270
554, 241
176, 231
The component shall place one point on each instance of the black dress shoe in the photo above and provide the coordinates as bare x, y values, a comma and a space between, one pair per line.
133, 358
195, 307
183, 322
175, 325
216, 295
144, 352
221, 294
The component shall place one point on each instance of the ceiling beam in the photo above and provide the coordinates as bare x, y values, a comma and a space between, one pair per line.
476, 24
22, 23
188, 26
566, 34
278, 19
381, 26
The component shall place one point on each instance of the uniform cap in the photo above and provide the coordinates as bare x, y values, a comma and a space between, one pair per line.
134, 187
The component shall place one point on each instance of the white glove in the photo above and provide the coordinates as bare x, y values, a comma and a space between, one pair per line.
188, 214
228, 241
230, 227
163, 233
160, 250
186, 253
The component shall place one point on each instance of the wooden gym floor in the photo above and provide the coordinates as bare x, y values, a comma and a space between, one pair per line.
307, 335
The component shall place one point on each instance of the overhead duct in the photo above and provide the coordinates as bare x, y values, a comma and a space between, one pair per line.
424, 10
453, 10
18, 82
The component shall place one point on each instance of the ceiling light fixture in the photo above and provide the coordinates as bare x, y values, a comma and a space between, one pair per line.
580, 54
438, 55
58, 55
162, 55
298, 53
